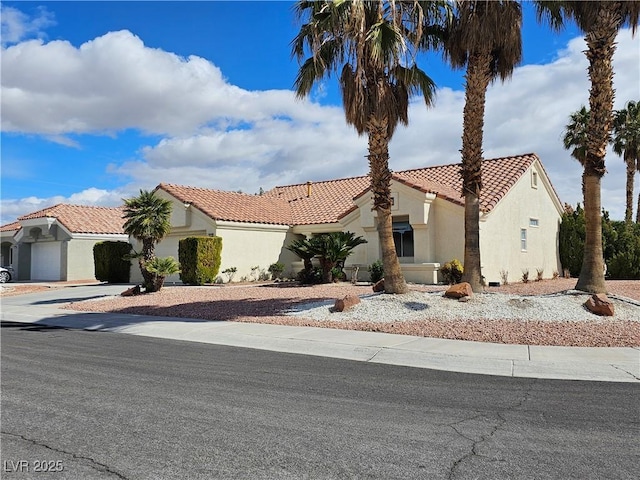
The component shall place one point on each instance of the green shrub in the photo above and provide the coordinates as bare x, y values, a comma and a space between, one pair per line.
111, 263
310, 277
624, 262
620, 245
452, 272
276, 269
199, 258
376, 271
338, 275
571, 237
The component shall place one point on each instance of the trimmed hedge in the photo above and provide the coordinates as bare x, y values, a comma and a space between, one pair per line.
110, 262
199, 259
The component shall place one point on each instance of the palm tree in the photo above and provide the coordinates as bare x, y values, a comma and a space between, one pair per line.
329, 248
575, 137
147, 219
161, 268
332, 248
371, 45
626, 142
486, 38
600, 21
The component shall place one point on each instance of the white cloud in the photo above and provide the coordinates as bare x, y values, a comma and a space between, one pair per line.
217, 135
17, 26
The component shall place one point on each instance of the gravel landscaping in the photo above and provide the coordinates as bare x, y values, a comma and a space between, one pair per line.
537, 313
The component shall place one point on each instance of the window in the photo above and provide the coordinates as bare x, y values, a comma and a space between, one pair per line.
523, 239
534, 222
403, 238
534, 179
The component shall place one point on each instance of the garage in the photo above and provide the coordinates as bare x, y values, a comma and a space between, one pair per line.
45, 261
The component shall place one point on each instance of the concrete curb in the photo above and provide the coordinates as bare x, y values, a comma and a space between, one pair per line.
619, 364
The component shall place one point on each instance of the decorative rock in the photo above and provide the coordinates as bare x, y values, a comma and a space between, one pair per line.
379, 286
131, 291
459, 290
600, 305
346, 303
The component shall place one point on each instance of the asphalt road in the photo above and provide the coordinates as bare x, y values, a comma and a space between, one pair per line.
86, 405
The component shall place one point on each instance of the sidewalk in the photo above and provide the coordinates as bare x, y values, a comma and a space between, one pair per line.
620, 364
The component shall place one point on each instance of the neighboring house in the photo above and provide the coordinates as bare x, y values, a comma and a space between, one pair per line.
520, 216
56, 243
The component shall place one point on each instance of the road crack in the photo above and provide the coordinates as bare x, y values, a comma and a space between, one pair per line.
499, 422
101, 467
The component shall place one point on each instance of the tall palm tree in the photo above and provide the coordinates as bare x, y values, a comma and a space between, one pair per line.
626, 142
486, 39
575, 137
147, 219
371, 45
600, 21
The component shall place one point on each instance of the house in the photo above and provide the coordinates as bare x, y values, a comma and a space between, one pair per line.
56, 243
519, 222
520, 216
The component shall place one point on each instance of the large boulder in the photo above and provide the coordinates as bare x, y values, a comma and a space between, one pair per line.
459, 290
379, 286
600, 305
346, 303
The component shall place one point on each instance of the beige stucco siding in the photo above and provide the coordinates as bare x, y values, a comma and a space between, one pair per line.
77, 257
246, 245
449, 231
500, 231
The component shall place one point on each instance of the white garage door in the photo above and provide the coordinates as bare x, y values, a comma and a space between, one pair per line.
45, 261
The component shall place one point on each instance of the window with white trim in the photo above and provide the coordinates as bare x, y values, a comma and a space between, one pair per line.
403, 237
534, 222
523, 239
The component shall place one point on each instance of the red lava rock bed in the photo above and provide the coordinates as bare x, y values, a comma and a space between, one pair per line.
268, 304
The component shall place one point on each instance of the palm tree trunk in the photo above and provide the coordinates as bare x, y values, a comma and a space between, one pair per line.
601, 46
631, 172
591, 277
477, 81
148, 254
380, 176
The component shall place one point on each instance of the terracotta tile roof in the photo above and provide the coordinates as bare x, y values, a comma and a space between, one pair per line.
328, 201
232, 206
331, 200
82, 218
10, 227
498, 176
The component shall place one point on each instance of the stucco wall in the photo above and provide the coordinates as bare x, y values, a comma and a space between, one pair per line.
449, 231
500, 232
251, 245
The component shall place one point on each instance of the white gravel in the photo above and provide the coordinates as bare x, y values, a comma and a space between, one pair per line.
383, 308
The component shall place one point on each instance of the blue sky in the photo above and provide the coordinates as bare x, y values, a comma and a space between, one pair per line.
100, 99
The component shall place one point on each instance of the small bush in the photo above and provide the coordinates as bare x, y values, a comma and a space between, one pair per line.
539, 274
452, 272
525, 275
230, 273
504, 276
555, 274
338, 275
310, 277
376, 271
276, 269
